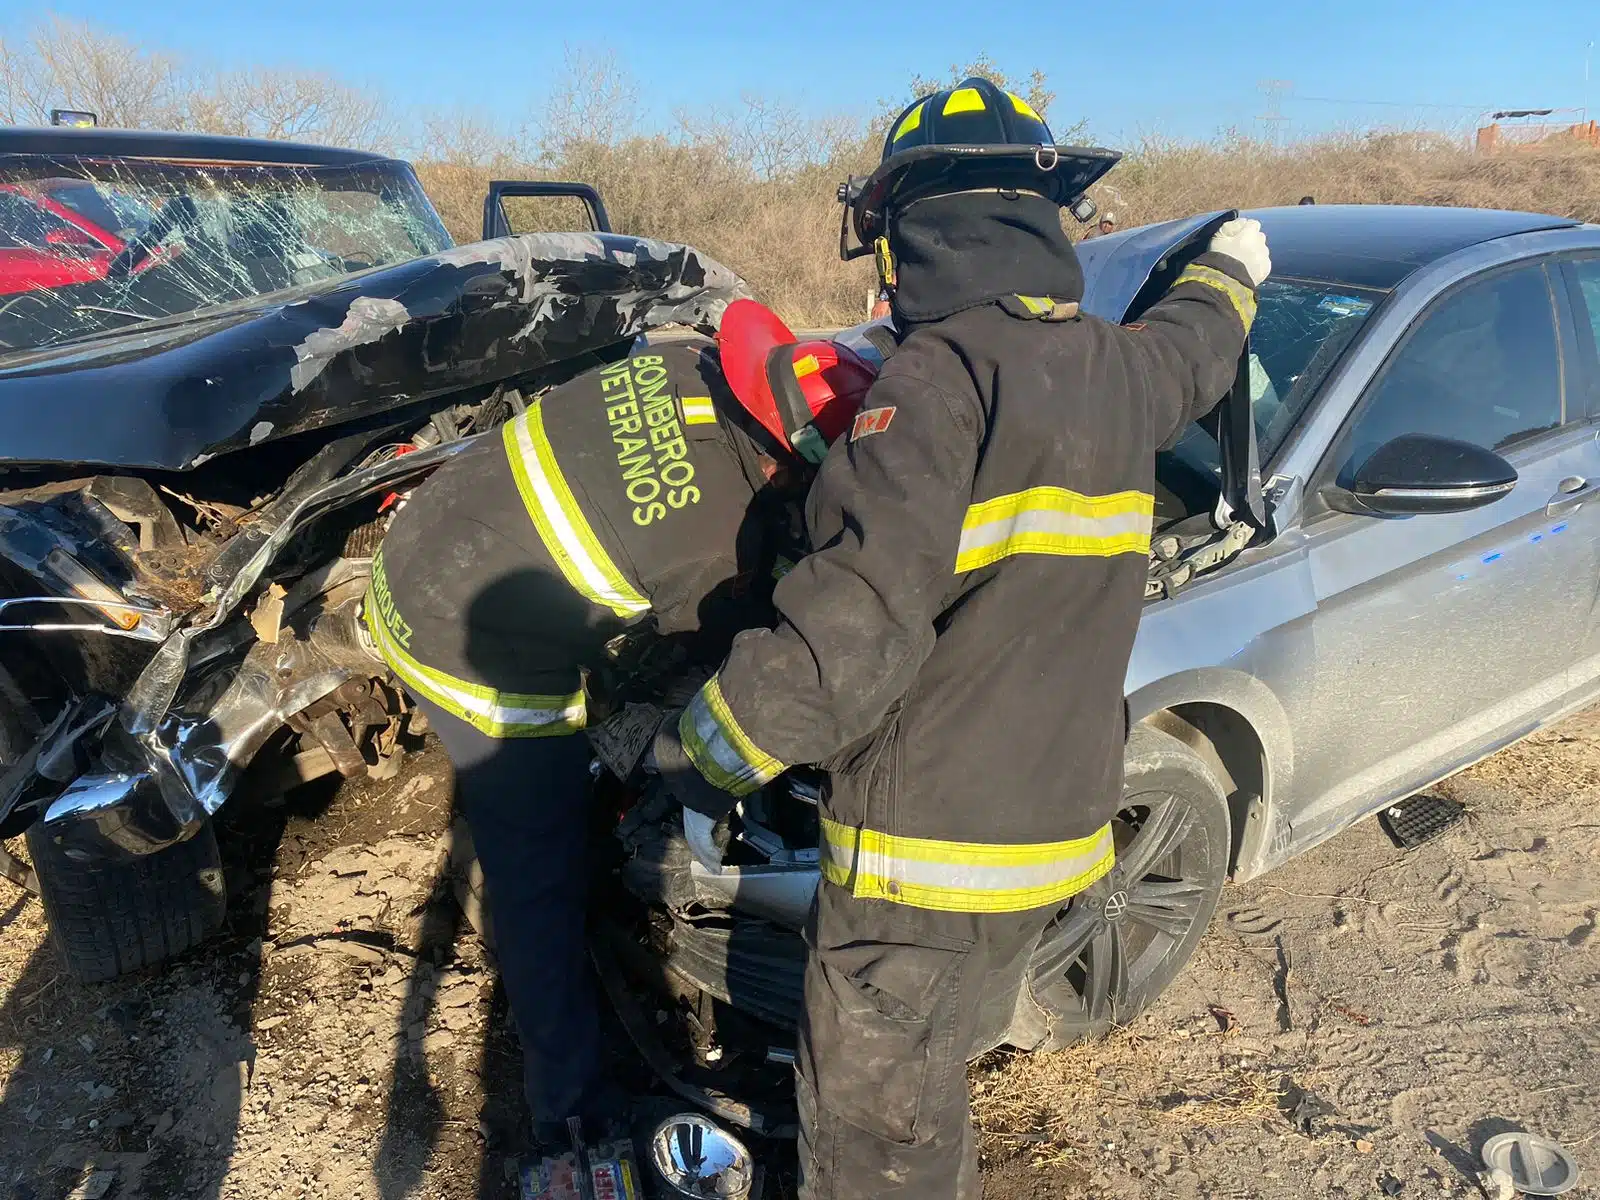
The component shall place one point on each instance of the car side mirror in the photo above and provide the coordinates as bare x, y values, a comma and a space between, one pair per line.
1418, 473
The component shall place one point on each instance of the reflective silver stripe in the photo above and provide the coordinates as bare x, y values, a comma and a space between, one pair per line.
1054, 520
497, 714
560, 521
1066, 524
719, 748
962, 876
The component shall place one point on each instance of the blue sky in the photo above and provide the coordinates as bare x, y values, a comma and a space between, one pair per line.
1186, 70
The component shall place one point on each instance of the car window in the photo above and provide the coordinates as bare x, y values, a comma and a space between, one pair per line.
1302, 326
1482, 366
1587, 272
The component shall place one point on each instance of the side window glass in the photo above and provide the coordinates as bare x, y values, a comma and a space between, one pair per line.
1482, 367
1587, 272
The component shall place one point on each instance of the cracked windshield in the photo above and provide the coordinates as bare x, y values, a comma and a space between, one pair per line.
90, 246
1301, 329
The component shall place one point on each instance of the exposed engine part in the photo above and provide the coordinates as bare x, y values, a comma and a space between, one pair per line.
1191, 548
641, 1031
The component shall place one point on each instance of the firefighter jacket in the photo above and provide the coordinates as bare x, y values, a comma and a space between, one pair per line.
955, 648
628, 492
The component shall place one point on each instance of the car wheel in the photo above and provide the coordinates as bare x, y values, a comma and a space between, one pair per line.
107, 919
1107, 955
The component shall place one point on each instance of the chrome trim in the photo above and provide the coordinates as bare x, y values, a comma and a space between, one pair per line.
154, 625
1461, 493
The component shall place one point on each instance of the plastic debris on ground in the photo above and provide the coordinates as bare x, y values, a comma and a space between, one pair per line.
613, 1173
1414, 820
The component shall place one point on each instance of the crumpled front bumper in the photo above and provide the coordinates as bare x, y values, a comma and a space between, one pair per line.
141, 793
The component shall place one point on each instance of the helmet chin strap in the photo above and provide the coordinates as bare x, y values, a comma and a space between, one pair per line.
885, 260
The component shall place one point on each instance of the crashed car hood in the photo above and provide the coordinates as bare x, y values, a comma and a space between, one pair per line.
170, 394
1117, 267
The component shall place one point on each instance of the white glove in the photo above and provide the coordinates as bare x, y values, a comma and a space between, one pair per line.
1241, 239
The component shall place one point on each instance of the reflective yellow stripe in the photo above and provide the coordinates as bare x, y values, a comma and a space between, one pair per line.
561, 523
1037, 304
1053, 520
913, 120
962, 876
963, 100
719, 748
1242, 298
494, 713
807, 365
698, 410
1023, 107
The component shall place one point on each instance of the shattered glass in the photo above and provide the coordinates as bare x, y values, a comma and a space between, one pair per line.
1301, 329
91, 245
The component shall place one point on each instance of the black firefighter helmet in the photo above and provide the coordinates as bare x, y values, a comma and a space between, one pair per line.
974, 135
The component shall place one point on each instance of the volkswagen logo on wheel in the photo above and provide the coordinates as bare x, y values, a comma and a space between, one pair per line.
1116, 905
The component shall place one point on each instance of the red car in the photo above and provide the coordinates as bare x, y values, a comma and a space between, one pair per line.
55, 232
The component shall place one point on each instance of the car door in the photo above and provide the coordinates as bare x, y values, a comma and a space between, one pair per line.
1582, 276
1436, 638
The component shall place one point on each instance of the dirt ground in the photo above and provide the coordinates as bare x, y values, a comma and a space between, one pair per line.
1355, 1024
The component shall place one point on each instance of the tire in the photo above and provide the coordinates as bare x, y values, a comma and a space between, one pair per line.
1116, 947
108, 919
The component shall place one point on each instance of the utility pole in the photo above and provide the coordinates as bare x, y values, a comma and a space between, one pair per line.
1588, 52
1274, 90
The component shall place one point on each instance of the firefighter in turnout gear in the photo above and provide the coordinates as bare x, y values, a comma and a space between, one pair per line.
638, 491
953, 649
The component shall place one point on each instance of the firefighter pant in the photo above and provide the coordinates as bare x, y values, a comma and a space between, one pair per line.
526, 802
893, 1000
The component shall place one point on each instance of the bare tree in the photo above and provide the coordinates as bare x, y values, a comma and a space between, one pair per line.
594, 101
71, 64
466, 139
292, 106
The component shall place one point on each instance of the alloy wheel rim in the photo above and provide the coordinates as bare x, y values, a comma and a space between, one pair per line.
1110, 940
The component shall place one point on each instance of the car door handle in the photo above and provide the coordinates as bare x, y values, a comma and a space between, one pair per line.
1571, 492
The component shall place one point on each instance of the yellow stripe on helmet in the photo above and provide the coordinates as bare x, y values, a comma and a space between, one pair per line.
964, 100
1023, 107
911, 122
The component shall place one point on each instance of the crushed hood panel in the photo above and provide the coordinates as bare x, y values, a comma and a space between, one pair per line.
170, 394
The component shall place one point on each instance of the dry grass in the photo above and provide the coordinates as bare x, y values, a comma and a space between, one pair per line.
1047, 1105
781, 232
1046, 1102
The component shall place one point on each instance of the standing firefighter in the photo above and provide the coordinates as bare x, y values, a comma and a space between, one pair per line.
637, 491
954, 649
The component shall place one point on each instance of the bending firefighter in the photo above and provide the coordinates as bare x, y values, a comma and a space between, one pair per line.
640, 491
954, 649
